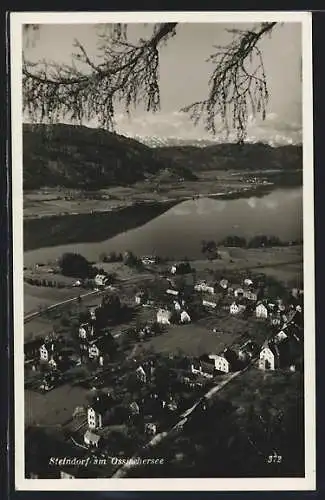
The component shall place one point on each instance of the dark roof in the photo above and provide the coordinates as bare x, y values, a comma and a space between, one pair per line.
101, 404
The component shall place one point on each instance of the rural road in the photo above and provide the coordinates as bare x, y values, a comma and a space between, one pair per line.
34, 315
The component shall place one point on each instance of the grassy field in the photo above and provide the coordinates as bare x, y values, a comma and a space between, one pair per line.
54, 407
197, 339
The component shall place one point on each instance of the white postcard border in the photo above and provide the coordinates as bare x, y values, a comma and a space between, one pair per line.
17, 19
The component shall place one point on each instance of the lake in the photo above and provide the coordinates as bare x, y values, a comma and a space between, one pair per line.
178, 231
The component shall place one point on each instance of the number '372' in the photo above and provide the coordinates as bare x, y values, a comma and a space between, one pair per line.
274, 459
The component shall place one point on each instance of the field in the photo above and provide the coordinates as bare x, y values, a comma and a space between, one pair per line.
283, 263
54, 407
197, 339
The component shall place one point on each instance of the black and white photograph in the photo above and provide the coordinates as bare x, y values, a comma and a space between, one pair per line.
162, 186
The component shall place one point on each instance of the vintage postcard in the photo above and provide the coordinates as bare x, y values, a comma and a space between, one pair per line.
162, 190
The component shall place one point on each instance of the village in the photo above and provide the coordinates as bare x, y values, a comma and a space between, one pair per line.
147, 354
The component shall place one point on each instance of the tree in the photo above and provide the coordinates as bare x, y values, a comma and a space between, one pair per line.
210, 249
75, 265
129, 73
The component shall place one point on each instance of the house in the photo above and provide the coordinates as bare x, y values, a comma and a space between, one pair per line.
204, 366
177, 305
221, 364
239, 292
86, 331
141, 297
164, 316
181, 268
46, 350
173, 269
248, 282
200, 286
148, 260
100, 347
98, 411
32, 348
91, 439
66, 475
185, 317
151, 428
250, 295
236, 308
209, 301
261, 311
281, 352
141, 374
100, 279
224, 284
134, 408
269, 358
172, 291
209, 365
92, 312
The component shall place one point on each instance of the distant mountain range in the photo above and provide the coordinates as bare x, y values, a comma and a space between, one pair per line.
88, 158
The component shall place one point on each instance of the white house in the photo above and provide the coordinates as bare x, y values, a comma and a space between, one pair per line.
177, 305
173, 269
248, 282
164, 316
52, 362
224, 284
209, 302
141, 374
97, 411
100, 279
261, 311
151, 428
236, 308
86, 331
269, 357
44, 353
239, 292
94, 419
92, 312
93, 351
220, 363
66, 475
250, 295
141, 297
91, 439
185, 317
171, 291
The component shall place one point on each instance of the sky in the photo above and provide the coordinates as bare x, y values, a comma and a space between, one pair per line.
184, 74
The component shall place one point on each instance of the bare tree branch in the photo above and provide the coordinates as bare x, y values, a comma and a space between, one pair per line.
238, 84
129, 73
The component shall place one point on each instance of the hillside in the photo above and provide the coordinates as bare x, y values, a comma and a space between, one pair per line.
234, 156
81, 157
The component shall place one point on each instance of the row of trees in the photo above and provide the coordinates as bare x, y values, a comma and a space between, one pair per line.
258, 241
45, 282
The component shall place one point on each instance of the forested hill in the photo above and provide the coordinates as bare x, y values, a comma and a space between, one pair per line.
247, 156
82, 157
